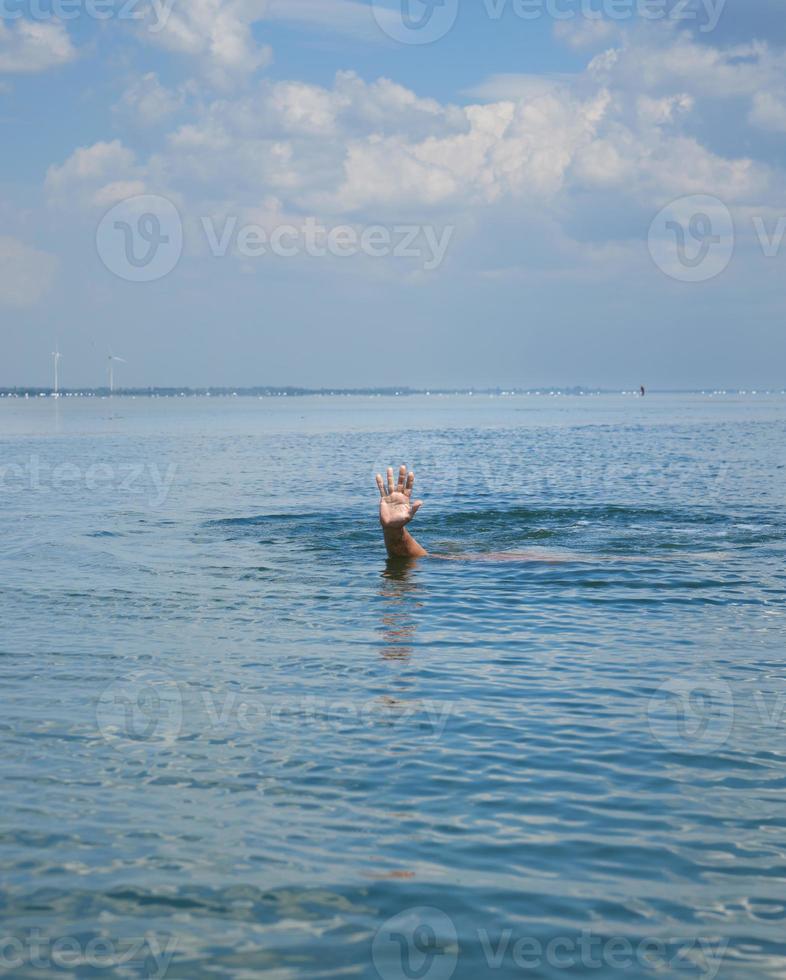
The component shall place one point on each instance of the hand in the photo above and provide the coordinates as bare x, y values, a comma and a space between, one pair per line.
396, 508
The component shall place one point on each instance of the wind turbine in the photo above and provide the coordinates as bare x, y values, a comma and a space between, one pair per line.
112, 360
57, 355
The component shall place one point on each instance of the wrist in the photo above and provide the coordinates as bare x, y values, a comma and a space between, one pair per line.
400, 543
393, 532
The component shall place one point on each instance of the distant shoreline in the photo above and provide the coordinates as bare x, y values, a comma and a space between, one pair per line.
296, 392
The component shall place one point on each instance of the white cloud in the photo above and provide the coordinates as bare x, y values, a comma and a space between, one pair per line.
96, 161
34, 46
768, 111
592, 152
360, 145
217, 33
291, 138
118, 190
26, 273
150, 102
519, 148
97, 175
605, 163
659, 112
660, 60
304, 108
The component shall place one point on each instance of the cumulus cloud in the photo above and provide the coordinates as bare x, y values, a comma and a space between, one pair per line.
581, 153
768, 111
34, 46
360, 147
660, 60
220, 34
150, 102
519, 148
660, 112
363, 145
98, 175
26, 273
216, 32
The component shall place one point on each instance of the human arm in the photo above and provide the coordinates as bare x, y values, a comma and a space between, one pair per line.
396, 510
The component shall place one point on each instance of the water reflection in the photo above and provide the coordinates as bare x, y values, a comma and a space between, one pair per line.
399, 592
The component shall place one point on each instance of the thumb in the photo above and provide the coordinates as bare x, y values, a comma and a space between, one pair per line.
416, 506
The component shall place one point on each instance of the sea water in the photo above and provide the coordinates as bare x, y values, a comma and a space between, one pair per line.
237, 742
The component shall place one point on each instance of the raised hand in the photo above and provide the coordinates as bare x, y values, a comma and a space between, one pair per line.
396, 507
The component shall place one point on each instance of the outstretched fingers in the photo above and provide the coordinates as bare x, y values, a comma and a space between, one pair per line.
403, 484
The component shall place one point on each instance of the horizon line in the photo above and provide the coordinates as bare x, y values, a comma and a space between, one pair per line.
298, 391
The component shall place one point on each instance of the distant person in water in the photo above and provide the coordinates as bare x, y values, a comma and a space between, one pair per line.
643, 392
397, 508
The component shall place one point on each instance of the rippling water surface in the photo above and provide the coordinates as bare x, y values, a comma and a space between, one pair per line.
238, 743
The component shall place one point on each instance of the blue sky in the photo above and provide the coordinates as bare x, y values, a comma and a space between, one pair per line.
548, 191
